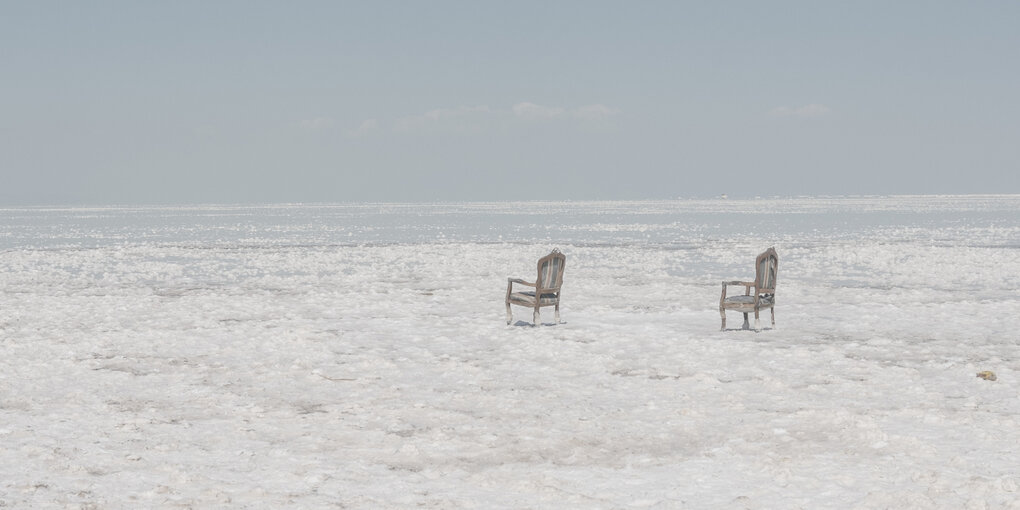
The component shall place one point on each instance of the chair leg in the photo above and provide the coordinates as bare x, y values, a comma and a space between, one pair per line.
537, 318
722, 315
773, 310
557, 313
509, 314
757, 321
747, 325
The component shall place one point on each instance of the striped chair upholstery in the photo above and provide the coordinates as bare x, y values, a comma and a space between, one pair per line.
547, 287
766, 275
758, 295
550, 270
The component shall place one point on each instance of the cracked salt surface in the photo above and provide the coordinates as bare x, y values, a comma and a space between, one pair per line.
357, 356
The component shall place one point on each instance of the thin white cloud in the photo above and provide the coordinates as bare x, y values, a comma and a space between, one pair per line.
461, 111
534, 111
595, 112
476, 118
367, 127
811, 110
440, 116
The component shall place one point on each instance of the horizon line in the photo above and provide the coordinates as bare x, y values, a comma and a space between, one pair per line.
284, 204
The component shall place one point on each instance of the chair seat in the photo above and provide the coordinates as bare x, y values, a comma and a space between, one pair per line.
747, 302
528, 299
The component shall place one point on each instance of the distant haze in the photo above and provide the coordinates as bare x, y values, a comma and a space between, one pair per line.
239, 102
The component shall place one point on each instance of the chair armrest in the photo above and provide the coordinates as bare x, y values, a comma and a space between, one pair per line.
745, 284
510, 286
747, 291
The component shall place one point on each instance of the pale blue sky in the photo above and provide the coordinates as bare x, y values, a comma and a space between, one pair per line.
242, 101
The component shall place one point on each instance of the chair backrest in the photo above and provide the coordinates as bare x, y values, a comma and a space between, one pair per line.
766, 269
550, 271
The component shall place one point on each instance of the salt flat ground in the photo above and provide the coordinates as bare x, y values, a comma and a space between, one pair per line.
356, 356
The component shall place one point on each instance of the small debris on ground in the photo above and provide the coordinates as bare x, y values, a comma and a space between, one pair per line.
987, 375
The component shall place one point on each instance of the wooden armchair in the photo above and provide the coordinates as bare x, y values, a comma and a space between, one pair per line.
547, 287
763, 296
